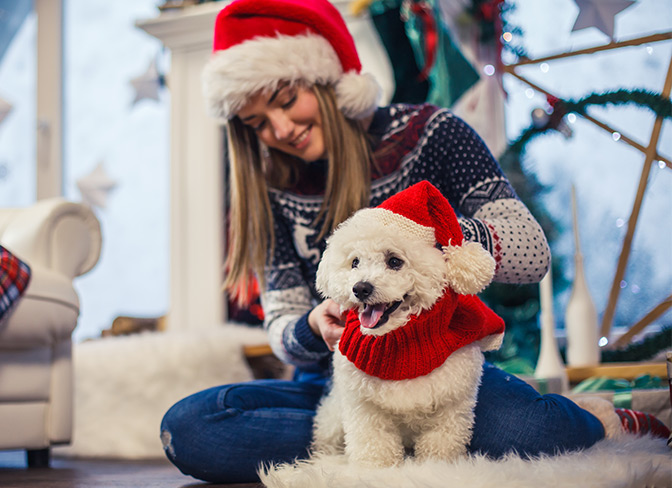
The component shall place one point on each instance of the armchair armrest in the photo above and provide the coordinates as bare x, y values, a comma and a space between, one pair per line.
53, 233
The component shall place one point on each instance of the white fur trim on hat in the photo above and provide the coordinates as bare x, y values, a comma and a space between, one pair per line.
491, 342
470, 268
398, 224
232, 75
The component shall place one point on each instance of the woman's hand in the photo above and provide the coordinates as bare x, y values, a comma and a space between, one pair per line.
326, 321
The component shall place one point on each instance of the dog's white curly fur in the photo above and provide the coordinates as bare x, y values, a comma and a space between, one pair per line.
375, 421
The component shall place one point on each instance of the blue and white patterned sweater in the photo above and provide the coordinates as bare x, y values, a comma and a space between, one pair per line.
412, 143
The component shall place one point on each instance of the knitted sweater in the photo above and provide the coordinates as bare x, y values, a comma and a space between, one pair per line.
412, 143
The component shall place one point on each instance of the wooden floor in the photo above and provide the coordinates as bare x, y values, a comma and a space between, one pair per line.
81, 473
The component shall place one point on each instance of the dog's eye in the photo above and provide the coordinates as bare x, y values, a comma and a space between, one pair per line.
355, 263
394, 263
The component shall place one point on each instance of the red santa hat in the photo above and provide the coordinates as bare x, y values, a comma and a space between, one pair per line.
422, 212
259, 44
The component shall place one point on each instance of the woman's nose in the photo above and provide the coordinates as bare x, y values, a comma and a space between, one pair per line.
282, 126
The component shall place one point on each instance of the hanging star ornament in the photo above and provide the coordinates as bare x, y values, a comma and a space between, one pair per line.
600, 14
5, 109
147, 85
96, 186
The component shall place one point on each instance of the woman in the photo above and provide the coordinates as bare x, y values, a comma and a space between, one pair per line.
308, 147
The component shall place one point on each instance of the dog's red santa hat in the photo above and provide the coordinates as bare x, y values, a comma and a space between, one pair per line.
457, 319
259, 44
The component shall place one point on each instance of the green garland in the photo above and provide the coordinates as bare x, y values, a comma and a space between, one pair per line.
640, 351
659, 105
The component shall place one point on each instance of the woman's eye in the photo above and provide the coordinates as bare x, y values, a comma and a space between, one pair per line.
259, 126
355, 263
394, 263
290, 102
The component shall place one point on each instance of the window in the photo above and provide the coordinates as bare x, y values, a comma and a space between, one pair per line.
105, 128
604, 170
17, 106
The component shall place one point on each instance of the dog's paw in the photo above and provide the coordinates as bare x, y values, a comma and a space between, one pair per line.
377, 460
375, 455
323, 449
438, 446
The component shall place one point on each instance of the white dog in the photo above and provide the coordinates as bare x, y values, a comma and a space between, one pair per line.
408, 365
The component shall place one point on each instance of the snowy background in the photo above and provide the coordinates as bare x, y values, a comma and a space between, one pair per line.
104, 51
605, 172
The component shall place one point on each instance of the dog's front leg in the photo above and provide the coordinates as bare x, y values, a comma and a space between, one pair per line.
447, 431
448, 437
372, 437
328, 426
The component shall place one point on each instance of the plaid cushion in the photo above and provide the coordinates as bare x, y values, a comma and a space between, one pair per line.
14, 278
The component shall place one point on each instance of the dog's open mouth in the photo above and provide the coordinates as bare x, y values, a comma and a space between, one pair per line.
375, 315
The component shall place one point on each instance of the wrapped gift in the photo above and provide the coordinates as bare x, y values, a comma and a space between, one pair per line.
525, 371
646, 393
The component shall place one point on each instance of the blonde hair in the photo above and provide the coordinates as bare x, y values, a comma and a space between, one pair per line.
252, 173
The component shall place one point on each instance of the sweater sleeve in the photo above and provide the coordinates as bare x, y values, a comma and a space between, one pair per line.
287, 300
489, 210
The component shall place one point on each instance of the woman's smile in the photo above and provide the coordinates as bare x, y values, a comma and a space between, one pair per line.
303, 140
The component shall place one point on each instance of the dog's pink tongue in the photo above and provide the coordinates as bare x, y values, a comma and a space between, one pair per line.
371, 315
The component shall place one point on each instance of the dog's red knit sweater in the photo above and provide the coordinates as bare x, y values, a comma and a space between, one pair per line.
425, 342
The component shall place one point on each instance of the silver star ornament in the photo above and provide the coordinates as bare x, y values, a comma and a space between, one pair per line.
599, 14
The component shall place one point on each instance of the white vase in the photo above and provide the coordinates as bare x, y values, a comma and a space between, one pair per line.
549, 364
581, 324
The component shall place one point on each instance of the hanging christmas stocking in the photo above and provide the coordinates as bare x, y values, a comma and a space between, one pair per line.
448, 71
386, 18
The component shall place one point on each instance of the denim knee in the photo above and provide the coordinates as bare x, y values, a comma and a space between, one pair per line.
172, 425
186, 440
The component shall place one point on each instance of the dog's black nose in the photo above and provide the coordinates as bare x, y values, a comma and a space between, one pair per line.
362, 290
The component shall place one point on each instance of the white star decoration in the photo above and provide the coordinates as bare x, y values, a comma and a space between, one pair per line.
96, 186
5, 109
600, 14
147, 85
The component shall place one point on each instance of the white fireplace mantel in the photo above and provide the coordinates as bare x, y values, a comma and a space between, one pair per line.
197, 186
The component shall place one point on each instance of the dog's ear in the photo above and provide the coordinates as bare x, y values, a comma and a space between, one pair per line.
323, 272
469, 267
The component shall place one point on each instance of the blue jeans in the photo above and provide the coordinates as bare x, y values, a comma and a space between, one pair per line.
223, 434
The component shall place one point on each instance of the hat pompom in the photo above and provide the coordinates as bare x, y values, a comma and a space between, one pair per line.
357, 94
470, 268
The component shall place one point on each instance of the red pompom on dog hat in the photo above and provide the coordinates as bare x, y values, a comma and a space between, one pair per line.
459, 318
259, 44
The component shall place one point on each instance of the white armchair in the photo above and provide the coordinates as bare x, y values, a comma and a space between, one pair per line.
59, 240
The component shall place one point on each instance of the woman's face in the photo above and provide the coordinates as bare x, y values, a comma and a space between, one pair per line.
288, 120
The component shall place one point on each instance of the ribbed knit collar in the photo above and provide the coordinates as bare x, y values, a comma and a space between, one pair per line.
424, 343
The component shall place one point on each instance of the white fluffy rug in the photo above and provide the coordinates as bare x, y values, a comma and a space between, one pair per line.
124, 385
630, 462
